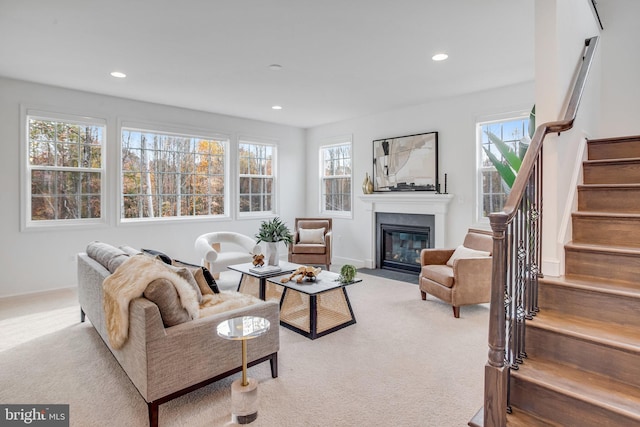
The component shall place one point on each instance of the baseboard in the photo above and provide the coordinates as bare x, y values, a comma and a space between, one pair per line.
357, 263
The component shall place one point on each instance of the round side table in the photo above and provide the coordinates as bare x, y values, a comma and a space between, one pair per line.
244, 392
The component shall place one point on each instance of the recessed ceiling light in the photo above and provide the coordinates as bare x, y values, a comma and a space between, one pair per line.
275, 67
277, 107
118, 74
439, 56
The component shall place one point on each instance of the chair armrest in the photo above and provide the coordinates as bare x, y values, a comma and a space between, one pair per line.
472, 280
327, 242
435, 256
205, 250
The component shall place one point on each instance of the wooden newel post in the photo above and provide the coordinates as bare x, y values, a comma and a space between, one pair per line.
496, 373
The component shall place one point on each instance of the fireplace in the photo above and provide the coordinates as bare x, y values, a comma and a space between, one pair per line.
401, 246
400, 238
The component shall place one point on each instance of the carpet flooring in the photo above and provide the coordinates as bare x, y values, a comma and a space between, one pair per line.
406, 362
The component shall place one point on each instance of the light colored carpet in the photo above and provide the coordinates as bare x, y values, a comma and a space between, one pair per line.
406, 362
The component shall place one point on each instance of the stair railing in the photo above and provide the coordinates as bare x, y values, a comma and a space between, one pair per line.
517, 254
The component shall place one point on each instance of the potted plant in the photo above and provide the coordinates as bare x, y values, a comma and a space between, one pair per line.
271, 232
347, 273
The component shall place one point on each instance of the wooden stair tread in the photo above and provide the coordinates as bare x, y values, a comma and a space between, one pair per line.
606, 215
622, 337
609, 186
588, 247
613, 287
614, 139
520, 418
602, 162
595, 389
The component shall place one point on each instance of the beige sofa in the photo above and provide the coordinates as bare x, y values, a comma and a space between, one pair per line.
164, 363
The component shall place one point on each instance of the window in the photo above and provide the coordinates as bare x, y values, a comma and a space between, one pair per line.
65, 169
169, 175
256, 165
493, 191
335, 173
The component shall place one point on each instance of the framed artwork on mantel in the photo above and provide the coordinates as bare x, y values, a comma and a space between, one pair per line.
406, 163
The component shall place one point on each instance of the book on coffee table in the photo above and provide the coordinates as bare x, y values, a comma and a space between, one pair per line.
265, 269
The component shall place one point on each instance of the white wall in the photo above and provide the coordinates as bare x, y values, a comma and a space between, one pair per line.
561, 29
621, 67
33, 261
454, 119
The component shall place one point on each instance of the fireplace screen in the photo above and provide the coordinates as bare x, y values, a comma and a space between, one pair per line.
401, 246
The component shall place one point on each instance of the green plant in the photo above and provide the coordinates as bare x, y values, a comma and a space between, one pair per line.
273, 231
508, 169
347, 273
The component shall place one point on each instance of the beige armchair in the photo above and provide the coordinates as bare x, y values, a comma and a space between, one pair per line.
311, 242
460, 279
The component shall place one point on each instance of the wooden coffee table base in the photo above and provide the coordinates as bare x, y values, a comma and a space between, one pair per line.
316, 315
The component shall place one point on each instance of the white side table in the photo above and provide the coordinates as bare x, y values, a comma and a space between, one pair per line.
244, 392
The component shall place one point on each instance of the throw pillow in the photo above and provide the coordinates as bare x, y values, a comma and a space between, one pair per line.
186, 274
163, 293
161, 255
129, 250
311, 235
109, 256
205, 280
463, 252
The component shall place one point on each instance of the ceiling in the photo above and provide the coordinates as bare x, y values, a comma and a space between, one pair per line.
340, 58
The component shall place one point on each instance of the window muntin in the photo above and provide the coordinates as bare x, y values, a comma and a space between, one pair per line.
493, 191
167, 175
335, 173
65, 169
256, 177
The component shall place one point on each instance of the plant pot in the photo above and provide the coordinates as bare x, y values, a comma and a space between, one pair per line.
272, 253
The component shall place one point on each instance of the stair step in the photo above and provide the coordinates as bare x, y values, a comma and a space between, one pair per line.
520, 418
616, 302
614, 148
620, 198
595, 261
620, 171
605, 228
570, 397
600, 347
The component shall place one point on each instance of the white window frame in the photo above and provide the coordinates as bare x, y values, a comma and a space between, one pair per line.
178, 132
26, 221
327, 144
480, 122
240, 175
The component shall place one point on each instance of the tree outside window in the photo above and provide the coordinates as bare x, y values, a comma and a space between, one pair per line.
65, 169
256, 177
169, 175
335, 190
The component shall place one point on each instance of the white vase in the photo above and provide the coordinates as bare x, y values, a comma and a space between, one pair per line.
272, 253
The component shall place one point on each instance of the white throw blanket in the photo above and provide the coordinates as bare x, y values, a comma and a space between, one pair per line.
130, 280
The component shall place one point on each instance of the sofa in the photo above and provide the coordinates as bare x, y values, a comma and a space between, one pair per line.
164, 362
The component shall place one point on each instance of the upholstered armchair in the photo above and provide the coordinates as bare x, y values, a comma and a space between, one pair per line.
311, 242
238, 249
460, 276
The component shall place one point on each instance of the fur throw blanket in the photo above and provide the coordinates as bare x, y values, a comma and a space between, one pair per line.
132, 277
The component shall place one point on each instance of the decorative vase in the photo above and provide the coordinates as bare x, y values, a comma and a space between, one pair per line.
367, 185
272, 253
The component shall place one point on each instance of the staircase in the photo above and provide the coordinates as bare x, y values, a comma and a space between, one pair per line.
583, 347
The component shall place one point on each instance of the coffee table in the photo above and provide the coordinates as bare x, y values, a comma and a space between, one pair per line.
255, 282
315, 308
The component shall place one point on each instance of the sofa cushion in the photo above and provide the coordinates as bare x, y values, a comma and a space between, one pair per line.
109, 256
311, 235
205, 280
302, 248
163, 293
442, 274
464, 252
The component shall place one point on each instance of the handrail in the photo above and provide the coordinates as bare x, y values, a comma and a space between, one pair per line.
517, 253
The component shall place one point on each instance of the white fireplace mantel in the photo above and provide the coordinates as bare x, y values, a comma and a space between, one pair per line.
424, 203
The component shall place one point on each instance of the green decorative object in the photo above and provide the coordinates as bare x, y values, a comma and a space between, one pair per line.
347, 273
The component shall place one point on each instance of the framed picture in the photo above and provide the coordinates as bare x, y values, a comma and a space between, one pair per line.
406, 163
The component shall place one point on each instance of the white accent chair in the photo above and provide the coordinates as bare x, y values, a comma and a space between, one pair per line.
238, 249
